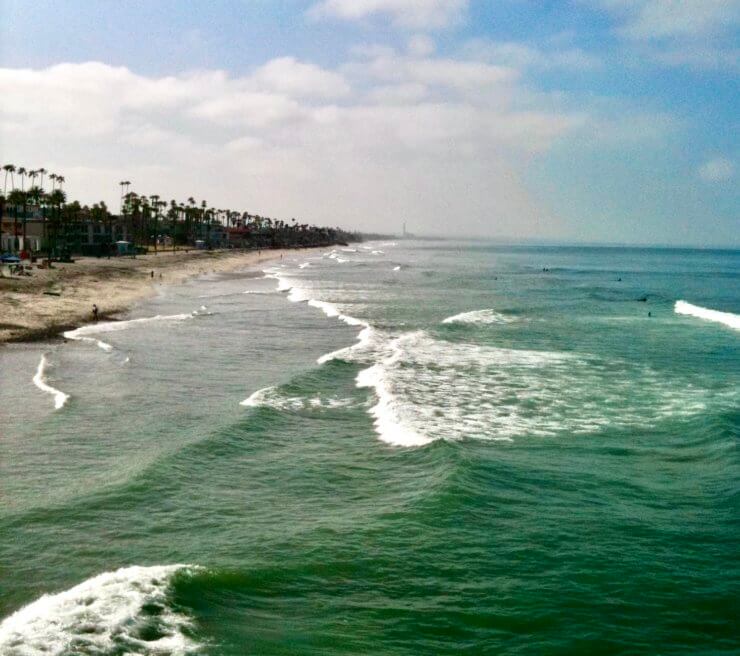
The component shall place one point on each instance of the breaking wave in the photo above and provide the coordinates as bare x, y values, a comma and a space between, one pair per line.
429, 389
271, 397
479, 316
127, 611
727, 318
298, 294
39, 379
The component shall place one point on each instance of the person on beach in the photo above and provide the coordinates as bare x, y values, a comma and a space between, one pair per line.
95, 312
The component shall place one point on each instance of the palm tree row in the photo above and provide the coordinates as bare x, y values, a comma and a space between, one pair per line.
32, 174
146, 221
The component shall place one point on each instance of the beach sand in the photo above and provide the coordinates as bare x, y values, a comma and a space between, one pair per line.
49, 301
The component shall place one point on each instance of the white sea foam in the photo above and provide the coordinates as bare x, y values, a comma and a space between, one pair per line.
39, 379
104, 614
388, 424
396, 268
272, 398
304, 265
429, 389
479, 316
256, 398
115, 326
378, 253
727, 318
341, 260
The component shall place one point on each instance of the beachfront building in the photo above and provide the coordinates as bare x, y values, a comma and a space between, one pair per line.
32, 231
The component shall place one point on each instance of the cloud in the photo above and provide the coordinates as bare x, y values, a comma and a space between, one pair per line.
522, 55
381, 137
407, 14
420, 45
287, 75
719, 169
698, 35
661, 19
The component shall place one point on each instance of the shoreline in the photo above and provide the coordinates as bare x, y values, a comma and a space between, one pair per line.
51, 301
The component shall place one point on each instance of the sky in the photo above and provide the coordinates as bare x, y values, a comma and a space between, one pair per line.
596, 121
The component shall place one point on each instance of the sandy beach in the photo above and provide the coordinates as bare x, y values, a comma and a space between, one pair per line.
42, 305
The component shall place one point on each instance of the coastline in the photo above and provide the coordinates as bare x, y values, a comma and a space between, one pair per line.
51, 301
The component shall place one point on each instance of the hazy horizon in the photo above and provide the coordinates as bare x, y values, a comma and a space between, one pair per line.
587, 121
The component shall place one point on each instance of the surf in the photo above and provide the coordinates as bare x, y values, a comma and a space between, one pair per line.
112, 612
39, 379
479, 316
726, 318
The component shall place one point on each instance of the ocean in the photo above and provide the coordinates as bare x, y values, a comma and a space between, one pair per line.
394, 448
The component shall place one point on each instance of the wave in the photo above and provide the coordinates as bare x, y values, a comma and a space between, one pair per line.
115, 326
98, 342
298, 294
39, 379
726, 318
479, 316
396, 268
272, 398
388, 424
113, 612
429, 389
256, 399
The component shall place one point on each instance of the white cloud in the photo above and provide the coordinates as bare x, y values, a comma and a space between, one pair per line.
420, 45
287, 75
719, 169
696, 34
409, 14
389, 136
521, 55
660, 19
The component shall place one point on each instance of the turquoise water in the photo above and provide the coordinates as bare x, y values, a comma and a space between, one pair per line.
398, 448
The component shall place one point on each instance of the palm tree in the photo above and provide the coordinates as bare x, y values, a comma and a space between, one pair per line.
126, 184
33, 175
41, 173
60, 180
155, 204
22, 172
53, 178
8, 168
16, 198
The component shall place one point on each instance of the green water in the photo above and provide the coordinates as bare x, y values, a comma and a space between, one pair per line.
555, 473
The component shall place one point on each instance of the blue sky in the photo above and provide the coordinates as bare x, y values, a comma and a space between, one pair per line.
583, 120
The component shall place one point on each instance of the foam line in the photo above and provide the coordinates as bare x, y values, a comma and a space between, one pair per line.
103, 614
727, 318
115, 326
60, 398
